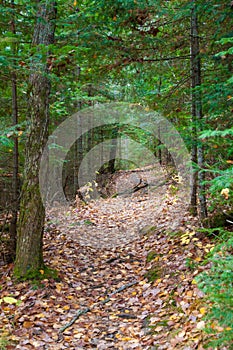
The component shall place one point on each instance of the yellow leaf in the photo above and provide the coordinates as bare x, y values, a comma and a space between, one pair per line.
207, 250
40, 315
225, 192
197, 259
112, 317
174, 317
66, 307
70, 297
203, 310
126, 338
141, 283
58, 287
42, 272
118, 336
75, 3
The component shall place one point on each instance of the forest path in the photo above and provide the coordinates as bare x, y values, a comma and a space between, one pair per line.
148, 199
134, 290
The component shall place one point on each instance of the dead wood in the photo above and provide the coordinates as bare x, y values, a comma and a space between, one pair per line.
88, 309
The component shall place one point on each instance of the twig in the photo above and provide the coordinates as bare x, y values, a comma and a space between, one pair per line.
74, 319
88, 309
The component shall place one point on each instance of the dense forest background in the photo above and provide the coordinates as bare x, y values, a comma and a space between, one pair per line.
128, 51
58, 58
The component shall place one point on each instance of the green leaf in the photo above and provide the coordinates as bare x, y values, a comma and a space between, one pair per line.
9, 300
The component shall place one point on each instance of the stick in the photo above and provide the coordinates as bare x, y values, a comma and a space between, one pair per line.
88, 309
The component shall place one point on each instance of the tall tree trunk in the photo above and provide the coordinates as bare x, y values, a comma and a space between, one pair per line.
198, 186
113, 150
15, 180
29, 254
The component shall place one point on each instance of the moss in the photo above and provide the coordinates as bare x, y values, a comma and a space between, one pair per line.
147, 230
3, 343
191, 264
153, 274
36, 274
151, 255
88, 222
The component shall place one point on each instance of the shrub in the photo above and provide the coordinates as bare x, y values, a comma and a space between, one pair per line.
217, 284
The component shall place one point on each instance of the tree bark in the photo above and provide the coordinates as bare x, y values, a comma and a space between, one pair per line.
15, 180
113, 151
198, 187
29, 254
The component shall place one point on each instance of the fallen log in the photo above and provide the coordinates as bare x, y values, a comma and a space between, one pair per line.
139, 187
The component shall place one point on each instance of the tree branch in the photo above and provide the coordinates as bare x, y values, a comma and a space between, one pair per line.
88, 309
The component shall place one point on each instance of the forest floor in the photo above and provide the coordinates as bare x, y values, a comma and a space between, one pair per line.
126, 266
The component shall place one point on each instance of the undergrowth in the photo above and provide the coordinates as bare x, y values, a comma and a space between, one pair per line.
217, 284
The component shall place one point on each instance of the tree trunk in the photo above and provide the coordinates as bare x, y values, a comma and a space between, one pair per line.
15, 180
197, 117
29, 254
113, 151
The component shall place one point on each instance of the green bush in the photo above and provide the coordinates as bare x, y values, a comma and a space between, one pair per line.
217, 284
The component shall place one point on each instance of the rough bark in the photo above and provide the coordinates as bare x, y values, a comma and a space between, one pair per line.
15, 179
29, 255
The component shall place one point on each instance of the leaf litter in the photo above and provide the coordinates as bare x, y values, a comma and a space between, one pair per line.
126, 267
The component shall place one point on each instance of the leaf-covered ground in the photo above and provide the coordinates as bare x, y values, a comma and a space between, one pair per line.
127, 264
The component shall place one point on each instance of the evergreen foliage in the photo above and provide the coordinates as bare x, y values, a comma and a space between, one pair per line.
217, 284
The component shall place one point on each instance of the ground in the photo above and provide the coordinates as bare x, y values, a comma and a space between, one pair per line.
126, 267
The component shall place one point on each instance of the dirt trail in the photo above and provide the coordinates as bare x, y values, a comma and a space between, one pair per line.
111, 222
122, 260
